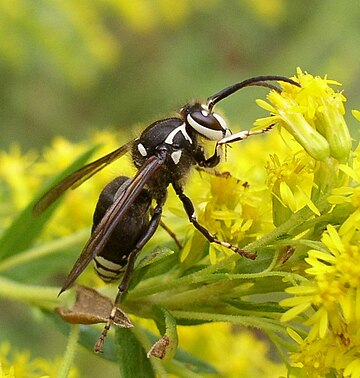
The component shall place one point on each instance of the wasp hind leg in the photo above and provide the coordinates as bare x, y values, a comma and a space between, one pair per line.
124, 285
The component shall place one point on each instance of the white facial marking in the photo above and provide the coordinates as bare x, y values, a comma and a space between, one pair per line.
176, 155
182, 130
208, 133
142, 149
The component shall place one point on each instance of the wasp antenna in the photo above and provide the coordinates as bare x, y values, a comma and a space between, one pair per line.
260, 81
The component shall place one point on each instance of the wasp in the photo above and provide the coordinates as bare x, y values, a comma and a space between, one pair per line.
129, 210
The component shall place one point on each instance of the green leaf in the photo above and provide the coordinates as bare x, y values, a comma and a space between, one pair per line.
262, 261
88, 336
131, 349
194, 364
29, 226
158, 261
131, 356
165, 348
155, 256
258, 307
189, 361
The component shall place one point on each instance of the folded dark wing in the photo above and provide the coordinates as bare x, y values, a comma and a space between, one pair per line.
113, 216
78, 177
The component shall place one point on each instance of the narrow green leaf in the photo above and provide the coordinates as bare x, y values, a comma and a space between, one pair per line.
26, 227
258, 307
90, 334
194, 364
157, 262
165, 348
131, 356
187, 360
262, 261
155, 256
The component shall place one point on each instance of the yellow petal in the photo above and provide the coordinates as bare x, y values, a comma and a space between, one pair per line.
287, 196
293, 312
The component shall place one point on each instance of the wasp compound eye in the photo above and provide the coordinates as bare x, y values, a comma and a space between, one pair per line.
210, 125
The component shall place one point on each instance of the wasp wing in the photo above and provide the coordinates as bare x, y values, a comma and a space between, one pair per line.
113, 216
78, 177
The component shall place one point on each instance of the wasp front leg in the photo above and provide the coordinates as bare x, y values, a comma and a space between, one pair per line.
210, 162
242, 135
190, 211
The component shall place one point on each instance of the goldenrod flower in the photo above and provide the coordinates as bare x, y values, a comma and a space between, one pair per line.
312, 114
247, 356
230, 206
334, 296
15, 178
274, 196
291, 183
19, 364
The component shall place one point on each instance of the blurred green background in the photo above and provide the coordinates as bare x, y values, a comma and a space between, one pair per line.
68, 67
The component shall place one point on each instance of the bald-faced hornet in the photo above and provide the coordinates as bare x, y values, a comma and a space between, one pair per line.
124, 218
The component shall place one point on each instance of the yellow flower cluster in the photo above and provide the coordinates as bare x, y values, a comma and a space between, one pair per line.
247, 354
19, 364
22, 175
305, 200
312, 114
328, 300
291, 182
233, 207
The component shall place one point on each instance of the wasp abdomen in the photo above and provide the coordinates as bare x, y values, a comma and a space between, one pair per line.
114, 256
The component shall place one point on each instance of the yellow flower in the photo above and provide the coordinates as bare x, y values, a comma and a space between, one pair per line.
353, 369
24, 174
14, 173
236, 210
334, 297
336, 272
356, 114
14, 363
291, 183
318, 358
348, 195
246, 353
313, 114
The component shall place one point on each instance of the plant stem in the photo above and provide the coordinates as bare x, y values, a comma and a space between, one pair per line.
247, 321
70, 352
44, 297
172, 283
44, 249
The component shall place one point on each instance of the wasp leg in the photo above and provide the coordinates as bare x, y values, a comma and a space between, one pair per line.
214, 160
190, 211
124, 285
214, 172
171, 234
243, 135
210, 162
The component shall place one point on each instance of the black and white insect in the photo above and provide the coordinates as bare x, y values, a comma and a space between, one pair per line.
129, 210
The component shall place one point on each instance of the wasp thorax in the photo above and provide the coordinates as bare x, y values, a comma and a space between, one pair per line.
210, 125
